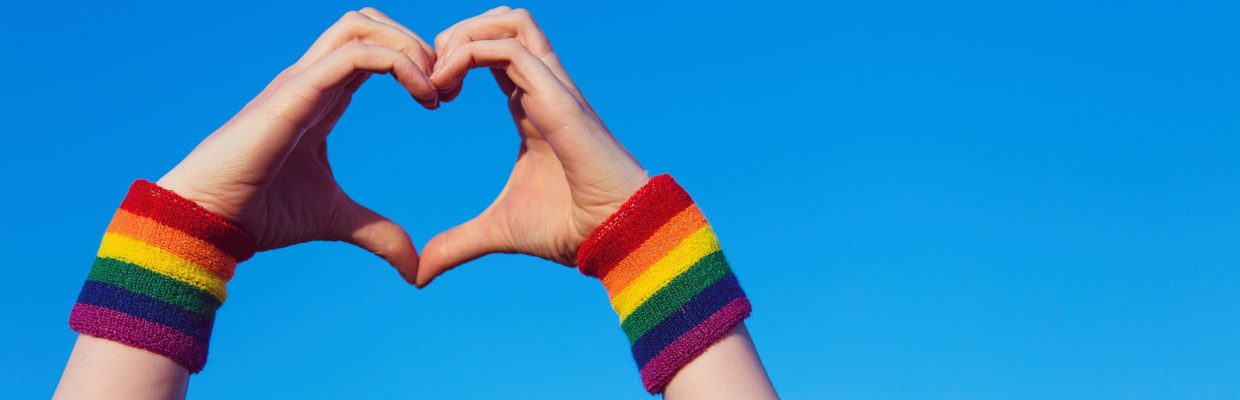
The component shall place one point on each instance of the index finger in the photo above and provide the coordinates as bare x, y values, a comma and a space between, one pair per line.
384, 18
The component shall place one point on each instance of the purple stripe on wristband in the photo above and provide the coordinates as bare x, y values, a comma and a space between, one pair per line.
689, 316
136, 332
119, 299
660, 369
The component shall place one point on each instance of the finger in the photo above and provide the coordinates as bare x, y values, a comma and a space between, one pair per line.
295, 102
524, 69
450, 94
505, 84
575, 134
357, 26
328, 121
334, 69
518, 24
456, 246
384, 18
442, 37
357, 81
379, 235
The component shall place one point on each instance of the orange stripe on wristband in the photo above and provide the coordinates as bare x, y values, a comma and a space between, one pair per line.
656, 247
160, 275
668, 281
173, 241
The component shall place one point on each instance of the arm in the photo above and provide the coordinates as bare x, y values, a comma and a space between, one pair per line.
99, 368
572, 185
729, 369
259, 182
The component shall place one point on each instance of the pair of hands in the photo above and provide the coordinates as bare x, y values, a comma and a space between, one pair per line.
266, 169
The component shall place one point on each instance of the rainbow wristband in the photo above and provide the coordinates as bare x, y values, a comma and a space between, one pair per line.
160, 275
667, 279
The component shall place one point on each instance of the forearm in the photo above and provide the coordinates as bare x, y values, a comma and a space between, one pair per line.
678, 300
103, 369
263, 181
147, 309
730, 369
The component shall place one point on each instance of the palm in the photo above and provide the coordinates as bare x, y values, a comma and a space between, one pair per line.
266, 169
284, 200
305, 193
570, 175
544, 210
281, 188
302, 197
556, 194
532, 215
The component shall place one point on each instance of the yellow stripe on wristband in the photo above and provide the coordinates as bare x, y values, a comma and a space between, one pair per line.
667, 279
676, 262
159, 276
120, 247
174, 241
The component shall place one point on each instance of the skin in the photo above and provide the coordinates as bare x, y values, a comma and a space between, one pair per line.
571, 174
266, 169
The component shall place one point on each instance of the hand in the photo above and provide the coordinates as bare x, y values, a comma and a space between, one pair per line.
266, 169
570, 173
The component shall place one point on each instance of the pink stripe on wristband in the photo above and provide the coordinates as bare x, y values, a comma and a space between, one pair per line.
664, 366
667, 279
160, 275
137, 332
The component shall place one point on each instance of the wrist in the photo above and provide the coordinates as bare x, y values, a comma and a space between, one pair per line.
183, 186
160, 275
667, 279
597, 212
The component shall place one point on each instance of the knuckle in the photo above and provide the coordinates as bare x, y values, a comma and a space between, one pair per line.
511, 45
515, 51
354, 47
350, 20
407, 47
464, 28
522, 13
368, 10
384, 249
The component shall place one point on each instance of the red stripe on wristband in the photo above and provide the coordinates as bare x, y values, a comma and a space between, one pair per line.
667, 279
149, 200
658, 201
160, 275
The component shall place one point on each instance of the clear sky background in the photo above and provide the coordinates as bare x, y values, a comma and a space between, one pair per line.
960, 200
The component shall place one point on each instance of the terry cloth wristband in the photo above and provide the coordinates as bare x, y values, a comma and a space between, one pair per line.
667, 279
160, 275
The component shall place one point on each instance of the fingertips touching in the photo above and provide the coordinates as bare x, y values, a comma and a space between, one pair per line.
443, 48
372, 28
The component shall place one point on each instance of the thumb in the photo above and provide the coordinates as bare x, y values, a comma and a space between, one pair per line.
379, 235
447, 250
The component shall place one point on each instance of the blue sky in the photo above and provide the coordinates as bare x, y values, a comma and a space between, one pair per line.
950, 200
